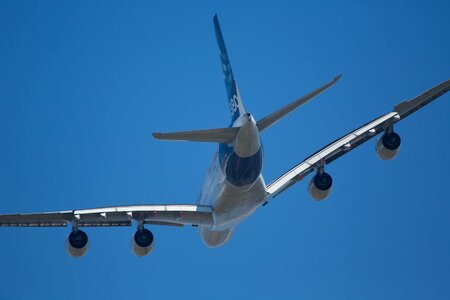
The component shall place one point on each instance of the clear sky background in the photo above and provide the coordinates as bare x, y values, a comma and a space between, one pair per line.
83, 85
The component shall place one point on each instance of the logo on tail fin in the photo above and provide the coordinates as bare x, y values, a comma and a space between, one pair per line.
234, 105
235, 102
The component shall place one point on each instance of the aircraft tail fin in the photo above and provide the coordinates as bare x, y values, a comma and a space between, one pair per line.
218, 135
234, 98
274, 117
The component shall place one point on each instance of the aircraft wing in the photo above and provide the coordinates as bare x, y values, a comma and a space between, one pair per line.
353, 139
172, 215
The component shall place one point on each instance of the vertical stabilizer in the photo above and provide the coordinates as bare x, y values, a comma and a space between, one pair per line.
234, 99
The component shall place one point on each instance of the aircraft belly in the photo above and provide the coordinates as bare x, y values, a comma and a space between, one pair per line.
234, 204
231, 203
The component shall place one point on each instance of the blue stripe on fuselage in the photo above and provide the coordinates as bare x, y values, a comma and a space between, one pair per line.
240, 171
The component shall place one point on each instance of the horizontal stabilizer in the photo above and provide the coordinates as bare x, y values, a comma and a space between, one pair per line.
281, 113
218, 135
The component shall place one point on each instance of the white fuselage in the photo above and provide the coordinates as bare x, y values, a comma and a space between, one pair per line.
233, 202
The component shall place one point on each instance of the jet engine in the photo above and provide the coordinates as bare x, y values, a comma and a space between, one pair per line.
388, 145
142, 242
77, 243
320, 186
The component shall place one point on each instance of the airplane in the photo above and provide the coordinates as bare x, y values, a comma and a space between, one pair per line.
234, 187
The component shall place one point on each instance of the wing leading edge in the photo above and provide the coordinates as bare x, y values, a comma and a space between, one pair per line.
355, 138
172, 215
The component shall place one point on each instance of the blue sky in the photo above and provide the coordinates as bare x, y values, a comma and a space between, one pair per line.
83, 85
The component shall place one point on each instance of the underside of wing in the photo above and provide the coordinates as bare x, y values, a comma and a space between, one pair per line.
142, 241
387, 146
175, 215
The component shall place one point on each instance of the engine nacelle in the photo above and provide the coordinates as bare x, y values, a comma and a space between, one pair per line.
388, 145
142, 242
320, 186
77, 243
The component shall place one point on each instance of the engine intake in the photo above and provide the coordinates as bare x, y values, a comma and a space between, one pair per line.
142, 242
388, 145
320, 186
77, 243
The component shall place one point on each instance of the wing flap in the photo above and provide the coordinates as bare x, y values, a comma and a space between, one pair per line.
57, 219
